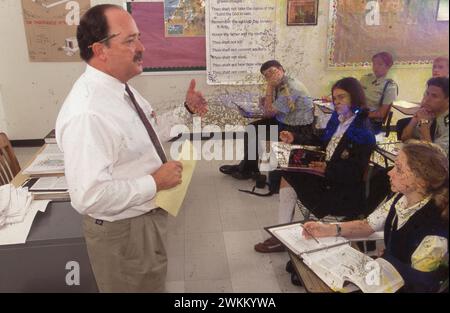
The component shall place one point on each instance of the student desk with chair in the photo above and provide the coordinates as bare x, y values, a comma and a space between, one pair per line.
55, 250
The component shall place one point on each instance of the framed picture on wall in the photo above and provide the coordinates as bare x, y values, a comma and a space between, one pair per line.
442, 13
302, 12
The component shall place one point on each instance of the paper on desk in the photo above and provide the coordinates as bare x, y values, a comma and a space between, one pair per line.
51, 148
17, 233
172, 199
406, 104
14, 204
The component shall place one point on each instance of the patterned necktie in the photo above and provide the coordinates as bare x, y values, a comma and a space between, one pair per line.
151, 132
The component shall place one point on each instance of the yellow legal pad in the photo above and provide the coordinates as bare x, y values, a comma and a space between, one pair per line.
172, 199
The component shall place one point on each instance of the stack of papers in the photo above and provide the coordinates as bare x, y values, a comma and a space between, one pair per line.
17, 213
49, 188
171, 200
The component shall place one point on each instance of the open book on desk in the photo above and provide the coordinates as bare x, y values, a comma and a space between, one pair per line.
297, 158
49, 162
249, 109
336, 263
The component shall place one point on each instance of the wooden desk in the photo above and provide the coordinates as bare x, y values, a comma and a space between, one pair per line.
406, 108
309, 279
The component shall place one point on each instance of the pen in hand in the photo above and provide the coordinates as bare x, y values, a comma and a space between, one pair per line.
310, 235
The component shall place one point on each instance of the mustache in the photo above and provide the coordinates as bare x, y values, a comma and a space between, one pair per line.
138, 56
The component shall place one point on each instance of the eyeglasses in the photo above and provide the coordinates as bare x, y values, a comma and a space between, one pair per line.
105, 39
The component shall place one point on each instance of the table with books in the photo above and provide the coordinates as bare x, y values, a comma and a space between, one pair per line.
54, 246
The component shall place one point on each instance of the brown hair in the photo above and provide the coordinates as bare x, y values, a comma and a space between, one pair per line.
93, 27
430, 163
356, 91
441, 59
269, 64
386, 57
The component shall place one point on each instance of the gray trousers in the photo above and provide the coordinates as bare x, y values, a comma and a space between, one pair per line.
128, 255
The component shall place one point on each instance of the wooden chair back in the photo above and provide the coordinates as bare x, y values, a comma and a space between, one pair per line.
9, 166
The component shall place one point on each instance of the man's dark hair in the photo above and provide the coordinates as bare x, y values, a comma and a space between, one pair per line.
441, 82
356, 91
93, 27
269, 64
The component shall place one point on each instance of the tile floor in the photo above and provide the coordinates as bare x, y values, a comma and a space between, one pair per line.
210, 243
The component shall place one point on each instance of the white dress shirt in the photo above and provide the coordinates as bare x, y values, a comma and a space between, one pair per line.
108, 154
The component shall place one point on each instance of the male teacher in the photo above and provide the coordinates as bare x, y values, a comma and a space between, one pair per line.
114, 161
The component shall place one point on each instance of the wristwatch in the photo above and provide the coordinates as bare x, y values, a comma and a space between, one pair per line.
423, 122
338, 230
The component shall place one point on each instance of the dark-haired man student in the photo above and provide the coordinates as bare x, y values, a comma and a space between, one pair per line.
287, 105
430, 123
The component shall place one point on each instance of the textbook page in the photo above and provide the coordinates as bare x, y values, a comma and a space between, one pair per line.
379, 276
346, 264
172, 199
292, 236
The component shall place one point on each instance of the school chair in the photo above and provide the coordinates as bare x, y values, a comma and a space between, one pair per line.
9, 166
387, 122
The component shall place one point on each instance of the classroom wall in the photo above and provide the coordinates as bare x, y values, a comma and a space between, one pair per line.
31, 94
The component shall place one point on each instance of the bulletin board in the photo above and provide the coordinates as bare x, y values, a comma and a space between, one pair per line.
170, 46
411, 30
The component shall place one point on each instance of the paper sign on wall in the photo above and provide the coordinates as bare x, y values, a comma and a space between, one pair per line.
50, 27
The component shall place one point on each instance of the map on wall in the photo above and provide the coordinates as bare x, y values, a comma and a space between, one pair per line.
409, 29
170, 33
50, 27
184, 18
